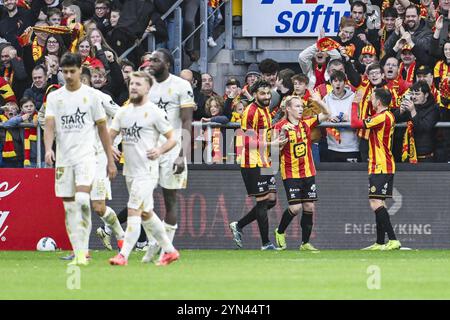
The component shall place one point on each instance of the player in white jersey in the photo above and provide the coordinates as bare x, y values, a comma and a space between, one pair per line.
101, 188
173, 95
141, 124
73, 115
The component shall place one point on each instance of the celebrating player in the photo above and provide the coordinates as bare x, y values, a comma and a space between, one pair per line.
256, 123
71, 115
175, 97
297, 167
141, 123
381, 162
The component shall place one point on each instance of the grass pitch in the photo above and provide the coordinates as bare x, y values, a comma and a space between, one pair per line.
233, 274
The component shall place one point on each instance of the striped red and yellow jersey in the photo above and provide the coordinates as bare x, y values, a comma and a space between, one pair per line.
381, 128
256, 123
366, 108
296, 160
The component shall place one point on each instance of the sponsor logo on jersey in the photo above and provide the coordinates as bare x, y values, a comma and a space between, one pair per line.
73, 121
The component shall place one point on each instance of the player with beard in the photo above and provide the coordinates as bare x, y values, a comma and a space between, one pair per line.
141, 124
175, 97
73, 114
255, 163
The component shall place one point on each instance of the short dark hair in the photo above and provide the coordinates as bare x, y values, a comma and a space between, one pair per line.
413, 6
302, 78
40, 67
260, 83
390, 12
70, 59
285, 76
168, 57
126, 62
374, 66
24, 100
53, 11
421, 86
269, 66
358, 4
384, 95
335, 62
338, 75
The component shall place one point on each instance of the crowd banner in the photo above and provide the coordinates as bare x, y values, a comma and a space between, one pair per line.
292, 18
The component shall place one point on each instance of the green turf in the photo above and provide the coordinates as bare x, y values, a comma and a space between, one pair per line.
231, 274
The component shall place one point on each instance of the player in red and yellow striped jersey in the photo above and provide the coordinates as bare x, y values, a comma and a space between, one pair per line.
255, 163
297, 167
381, 162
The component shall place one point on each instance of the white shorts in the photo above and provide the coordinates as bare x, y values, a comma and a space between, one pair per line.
140, 190
67, 178
101, 187
169, 180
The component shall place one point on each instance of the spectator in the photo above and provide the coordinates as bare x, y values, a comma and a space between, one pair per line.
100, 47
350, 44
343, 144
87, 54
238, 107
15, 20
415, 33
101, 16
269, 69
378, 40
313, 62
12, 152
199, 98
232, 85
54, 17
214, 110
127, 68
421, 113
338, 65
214, 20
251, 76
208, 85
40, 83
13, 70
28, 114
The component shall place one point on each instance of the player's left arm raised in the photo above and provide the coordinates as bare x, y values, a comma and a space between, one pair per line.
325, 114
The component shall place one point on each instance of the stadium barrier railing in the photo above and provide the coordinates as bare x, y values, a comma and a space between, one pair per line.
202, 137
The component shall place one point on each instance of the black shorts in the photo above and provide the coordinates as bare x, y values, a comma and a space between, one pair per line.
256, 183
381, 186
300, 190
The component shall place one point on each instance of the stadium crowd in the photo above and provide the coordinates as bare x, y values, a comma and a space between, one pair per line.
399, 45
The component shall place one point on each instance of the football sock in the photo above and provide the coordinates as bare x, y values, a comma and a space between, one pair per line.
386, 222
155, 227
307, 224
247, 219
285, 220
380, 230
83, 203
123, 216
263, 221
111, 221
170, 230
131, 235
73, 220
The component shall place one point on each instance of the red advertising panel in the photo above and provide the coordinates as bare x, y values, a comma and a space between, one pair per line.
29, 209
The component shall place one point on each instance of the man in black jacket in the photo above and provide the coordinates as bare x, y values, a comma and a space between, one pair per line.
422, 113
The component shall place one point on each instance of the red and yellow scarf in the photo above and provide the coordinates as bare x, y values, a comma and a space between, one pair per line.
409, 146
8, 147
29, 134
409, 72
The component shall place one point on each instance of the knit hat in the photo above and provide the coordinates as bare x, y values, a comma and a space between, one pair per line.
253, 69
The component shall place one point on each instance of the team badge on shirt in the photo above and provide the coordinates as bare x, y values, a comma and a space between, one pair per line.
162, 105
